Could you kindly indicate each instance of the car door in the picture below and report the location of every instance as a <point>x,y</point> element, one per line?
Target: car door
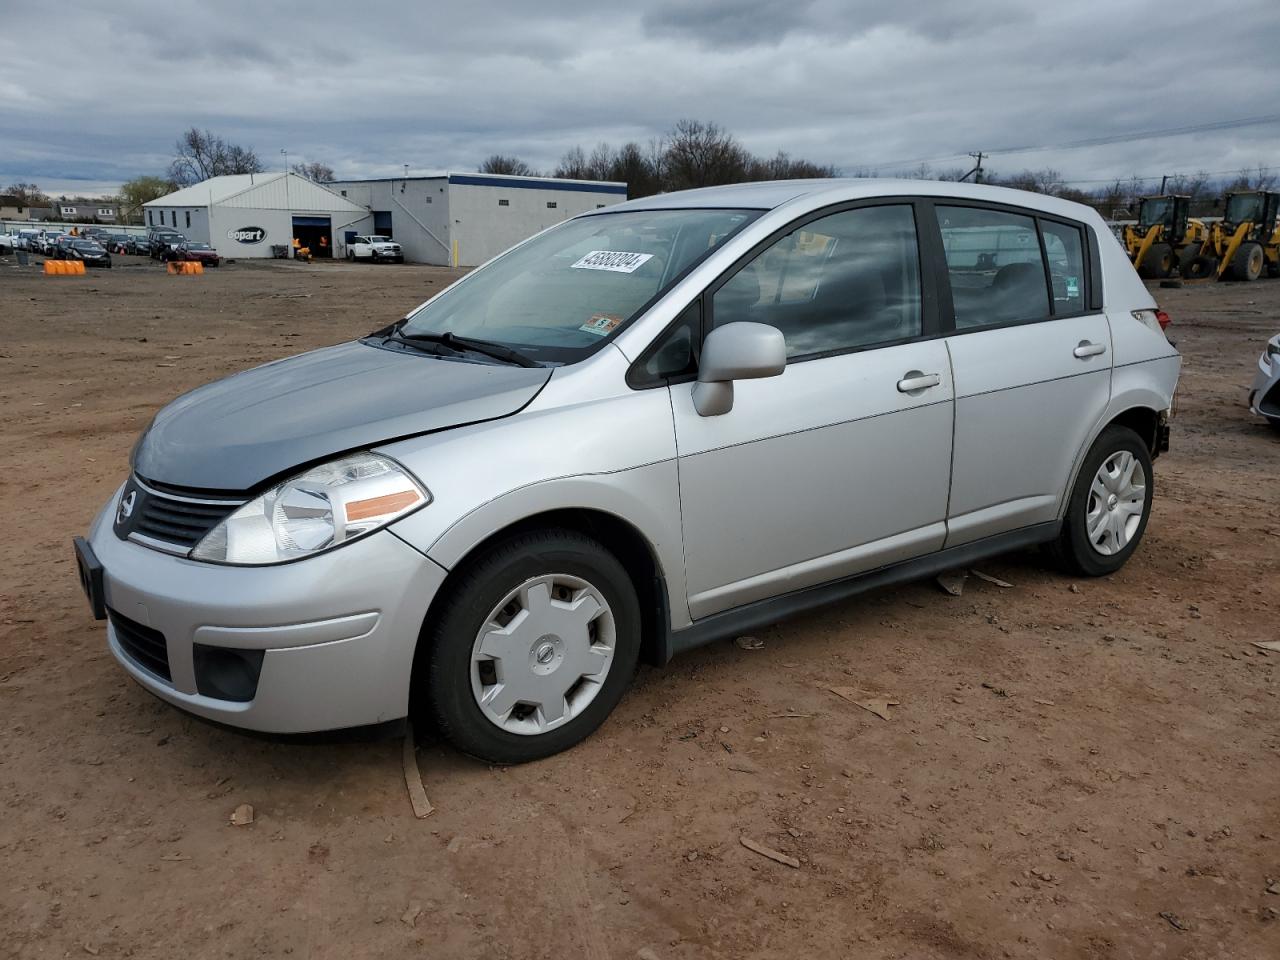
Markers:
<point>1031,361</point>
<point>841,464</point>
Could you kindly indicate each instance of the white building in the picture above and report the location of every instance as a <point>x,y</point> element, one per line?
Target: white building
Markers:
<point>245,215</point>
<point>464,219</point>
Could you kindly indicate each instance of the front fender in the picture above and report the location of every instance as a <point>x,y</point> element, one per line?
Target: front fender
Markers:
<point>645,498</point>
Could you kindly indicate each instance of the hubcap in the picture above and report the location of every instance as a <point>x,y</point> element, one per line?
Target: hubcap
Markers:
<point>1117,501</point>
<point>542,654</point>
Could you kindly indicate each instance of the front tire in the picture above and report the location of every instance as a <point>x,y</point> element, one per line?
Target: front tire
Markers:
<point>1109,506</point>
<point>1247,264</point>
<point>1159,261</point>
<point>536,643</point>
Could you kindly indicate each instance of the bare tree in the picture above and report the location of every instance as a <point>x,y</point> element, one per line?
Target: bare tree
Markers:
<point>315,171</point>
<point>703,154</point>
<point>501,163</point>
<point>573,165</point>
<point>1247,181</point>
<point>781,166</point>
<point>199,155</point>
<point>26,194</point>
<point>693,154</point>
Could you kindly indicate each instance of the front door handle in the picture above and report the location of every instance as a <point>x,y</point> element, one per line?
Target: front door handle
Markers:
<point>913,381</point>
<point>1084,350</point>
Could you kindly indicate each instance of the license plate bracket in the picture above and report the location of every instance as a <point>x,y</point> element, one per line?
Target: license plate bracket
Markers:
<point>90,571</point>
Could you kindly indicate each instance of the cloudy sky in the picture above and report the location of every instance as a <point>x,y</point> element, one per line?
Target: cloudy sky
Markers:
<point>99,95</point>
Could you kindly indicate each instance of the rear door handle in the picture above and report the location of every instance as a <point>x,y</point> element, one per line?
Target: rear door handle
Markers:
<point>1084,350</point>
<point>913,381</point>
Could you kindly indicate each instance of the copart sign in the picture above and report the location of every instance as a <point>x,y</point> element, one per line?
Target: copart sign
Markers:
<point>247,234</point>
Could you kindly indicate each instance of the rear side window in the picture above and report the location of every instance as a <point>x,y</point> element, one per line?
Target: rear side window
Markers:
<point>847,281</point>
<point>1064,247</point>
<point>995,266</point>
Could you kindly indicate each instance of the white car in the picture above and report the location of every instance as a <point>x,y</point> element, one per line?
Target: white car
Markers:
<point>375,248</point>
<point>26,239</point>
<point>7,243</point>
<point>1264,395</point>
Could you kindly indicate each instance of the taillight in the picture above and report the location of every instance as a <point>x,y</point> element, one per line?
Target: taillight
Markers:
<point>1156,319</point>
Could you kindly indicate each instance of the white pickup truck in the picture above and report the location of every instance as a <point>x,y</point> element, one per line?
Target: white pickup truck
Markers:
<point>375,248</point>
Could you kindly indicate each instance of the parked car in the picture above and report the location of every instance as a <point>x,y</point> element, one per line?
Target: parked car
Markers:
<point>1264,395</point>
<point>198,252</point>
<point>116,242</point>
<point>654,425</point>
<point>377,249</point>
<point>161,243</point>
<point>26,239</point>
<point>92,253</point>
<point>48,242</point>
<point>8,244</point>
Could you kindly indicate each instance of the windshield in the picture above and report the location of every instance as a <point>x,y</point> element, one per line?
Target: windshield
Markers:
<point>1155,211</point>
<point>197,246</point>
<point>562,294</point>
<point>87,245</point>
<point>379,239</point>
<point>1242,207</point>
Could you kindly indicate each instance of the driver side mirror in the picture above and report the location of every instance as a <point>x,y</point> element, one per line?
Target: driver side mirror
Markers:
<point>736,351</point>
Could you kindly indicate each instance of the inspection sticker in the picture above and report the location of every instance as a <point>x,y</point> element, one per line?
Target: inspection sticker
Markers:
<point>616,261</point>
<point>601,324</point>
<point>1073,287</point>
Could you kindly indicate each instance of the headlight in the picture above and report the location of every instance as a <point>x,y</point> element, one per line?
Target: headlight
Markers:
<point>322,508</point>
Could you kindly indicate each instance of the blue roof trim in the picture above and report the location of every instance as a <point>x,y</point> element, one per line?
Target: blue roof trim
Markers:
<point>518,184</point>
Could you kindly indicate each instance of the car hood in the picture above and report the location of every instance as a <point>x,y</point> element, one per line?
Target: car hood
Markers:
<point>235,433</point>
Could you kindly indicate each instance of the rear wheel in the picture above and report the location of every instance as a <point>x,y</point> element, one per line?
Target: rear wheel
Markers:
<point>537,642</point>
<point>1200,268</point>
<point>1247,263</point>
<point>1109,505</point>
<point>1159,261</point>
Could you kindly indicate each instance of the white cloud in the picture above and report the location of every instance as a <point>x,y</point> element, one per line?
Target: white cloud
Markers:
<point>856,84</point>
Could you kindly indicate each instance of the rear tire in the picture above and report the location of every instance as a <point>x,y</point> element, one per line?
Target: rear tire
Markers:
<point>1115,481</point>
<point>1247,264</point>
<point>485,602</point>
<point>1200,268</point>
<point>1159,261</point>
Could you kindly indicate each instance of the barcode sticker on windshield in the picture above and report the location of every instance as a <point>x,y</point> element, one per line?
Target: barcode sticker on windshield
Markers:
<point>616,261</point>
<point>601,324</point>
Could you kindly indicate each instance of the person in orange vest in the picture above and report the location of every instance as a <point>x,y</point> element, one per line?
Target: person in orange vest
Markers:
<point>324,245</point>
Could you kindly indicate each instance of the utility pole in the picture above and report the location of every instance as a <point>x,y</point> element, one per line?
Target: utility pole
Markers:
<point>1163,181</point>
<point>976,172</point>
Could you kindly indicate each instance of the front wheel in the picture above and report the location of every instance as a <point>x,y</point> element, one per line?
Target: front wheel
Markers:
<point>1247,264</point>
<point>536,644</point>
<point>1159,261</point>
<point>1109,505</point>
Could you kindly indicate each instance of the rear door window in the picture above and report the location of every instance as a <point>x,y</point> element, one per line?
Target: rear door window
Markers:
<point>1064,247</point>
<point>995,266</point>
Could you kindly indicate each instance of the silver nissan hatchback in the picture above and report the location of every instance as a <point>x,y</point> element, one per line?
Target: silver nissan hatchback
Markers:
<point>655,425</point>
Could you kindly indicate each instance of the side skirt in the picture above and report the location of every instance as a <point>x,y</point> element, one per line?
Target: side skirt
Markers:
<point>731,623</point>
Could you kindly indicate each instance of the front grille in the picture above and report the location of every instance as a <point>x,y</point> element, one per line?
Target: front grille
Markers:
<point>142,645</point>
<point>180,519</point>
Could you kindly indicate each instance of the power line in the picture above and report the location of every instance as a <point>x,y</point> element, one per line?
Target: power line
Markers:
<point>1093,141</point>
<point>1157,176</point>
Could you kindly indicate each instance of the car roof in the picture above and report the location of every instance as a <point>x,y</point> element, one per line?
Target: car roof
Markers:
<point>771,194</point>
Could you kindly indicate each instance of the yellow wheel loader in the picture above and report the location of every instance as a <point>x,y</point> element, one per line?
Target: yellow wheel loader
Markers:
<point>1244,244</point>
<point>1165,230</point>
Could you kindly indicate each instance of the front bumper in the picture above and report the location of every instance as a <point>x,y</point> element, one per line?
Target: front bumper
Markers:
<point>338,629</point>
<point>1264,394</point>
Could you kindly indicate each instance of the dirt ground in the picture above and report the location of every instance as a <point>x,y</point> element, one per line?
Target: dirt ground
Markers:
<point>1074,769</point>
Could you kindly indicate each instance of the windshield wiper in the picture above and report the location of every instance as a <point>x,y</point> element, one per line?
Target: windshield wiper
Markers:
<point>487,347</point>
